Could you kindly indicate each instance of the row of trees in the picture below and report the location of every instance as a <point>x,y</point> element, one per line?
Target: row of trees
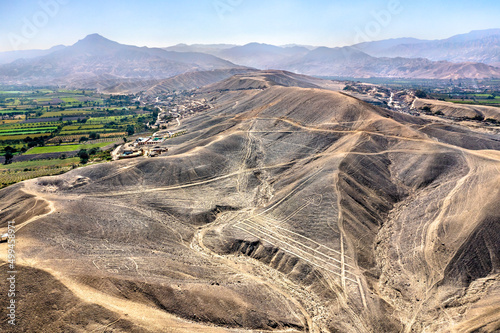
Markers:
<point>9,154</point>
<point>85,154</point>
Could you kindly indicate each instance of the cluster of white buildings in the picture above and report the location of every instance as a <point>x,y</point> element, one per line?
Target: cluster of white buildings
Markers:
<point>148,141</point>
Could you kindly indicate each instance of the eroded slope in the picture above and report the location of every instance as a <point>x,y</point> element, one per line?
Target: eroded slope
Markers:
<point>283,208</point>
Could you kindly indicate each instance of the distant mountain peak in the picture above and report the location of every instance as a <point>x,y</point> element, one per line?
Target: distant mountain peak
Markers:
<point>474,35</point>
<point>95,36</point>
<point>486,31</point>
<point>94,39</point>
<point>96,44</point>
<point>260,45</point>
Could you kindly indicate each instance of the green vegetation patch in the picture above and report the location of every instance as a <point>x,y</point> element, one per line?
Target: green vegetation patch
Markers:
<point>81,127</point>
<point>12,111</point>
<point>30,125</point>
<point>8,178</point>
<point>104,130</point>
<point>103,120</point>
<point>24,133</point>
<point>27,129</point>
<point>39,163</point>
<point>491,102</point>
<point>20,137</point>
<point>69,100</point>
<point>64,148</point>
<point>65,113</point>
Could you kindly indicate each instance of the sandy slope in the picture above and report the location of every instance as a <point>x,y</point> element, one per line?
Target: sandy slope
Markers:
<point>282,209</point>
<point>459,110</point>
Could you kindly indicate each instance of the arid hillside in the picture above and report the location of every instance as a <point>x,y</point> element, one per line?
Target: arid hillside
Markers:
<point>459,110</point>
<point>285,208</point>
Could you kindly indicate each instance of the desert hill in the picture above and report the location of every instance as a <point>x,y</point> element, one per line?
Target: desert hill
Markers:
<point>269,78</point>
<point>459,110</point>
<point>283,208</point>
<point>186,81</point>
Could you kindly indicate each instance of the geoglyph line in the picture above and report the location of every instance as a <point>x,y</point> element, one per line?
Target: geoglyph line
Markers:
<point>302,236</point>
<point>299,243</point>
<point>293,253</point>
<point>305,251</point>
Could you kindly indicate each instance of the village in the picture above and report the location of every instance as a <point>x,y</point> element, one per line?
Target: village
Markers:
<point>147,147</point>
<point>172,109</point>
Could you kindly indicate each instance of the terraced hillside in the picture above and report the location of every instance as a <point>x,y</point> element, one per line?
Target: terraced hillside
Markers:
<point>282,209</point>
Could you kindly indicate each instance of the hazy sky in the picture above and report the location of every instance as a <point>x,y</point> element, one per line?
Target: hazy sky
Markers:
<point>30,24</point>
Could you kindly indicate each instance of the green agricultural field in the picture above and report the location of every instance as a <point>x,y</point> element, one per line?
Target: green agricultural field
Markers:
<point>484,96</point>
<point>490,102</point>
<point>19,171</point>
<point>12,111</point>
<point>69,99</point>
<point>104,136</point>
<point>64,148</point>
<point>20,137</point>
<point>39,163</point>
<point>104,130</point>
<point>6,129</point>
<point>81,127</point>
<point>103,120</point>
<point>65,113</point>
<point>33,125</point>
<point>8,177</point>
<point>10,121</point>
<point>17,146</point>
<point>24,133</point>
<point>15,102</point>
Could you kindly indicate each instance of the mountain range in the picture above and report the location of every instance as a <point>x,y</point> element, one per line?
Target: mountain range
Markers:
<point>8,57</point>
<point>97,62</point>
<point>477,46</point>
<point>96,58</point>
